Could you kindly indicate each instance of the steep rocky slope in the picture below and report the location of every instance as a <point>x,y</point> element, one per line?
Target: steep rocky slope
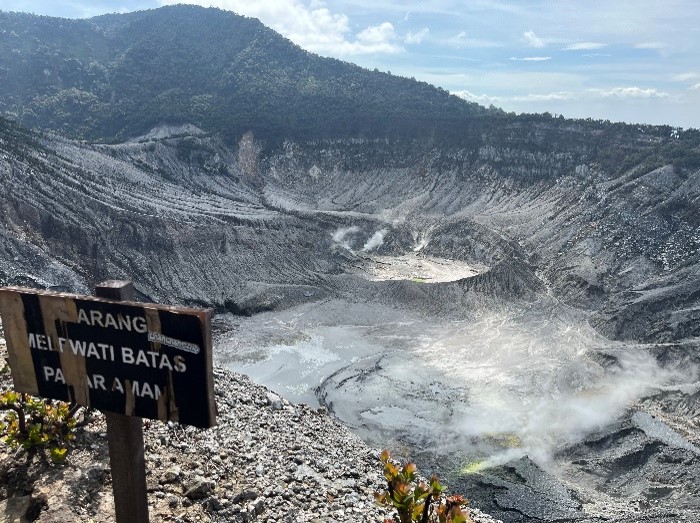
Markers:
<point>193,220</point>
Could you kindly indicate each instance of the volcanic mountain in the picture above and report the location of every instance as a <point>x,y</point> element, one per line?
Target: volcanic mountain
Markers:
<point>212,162</point>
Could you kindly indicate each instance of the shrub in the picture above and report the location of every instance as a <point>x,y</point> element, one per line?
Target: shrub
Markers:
<point>417,501</point>
<point>32,423</point>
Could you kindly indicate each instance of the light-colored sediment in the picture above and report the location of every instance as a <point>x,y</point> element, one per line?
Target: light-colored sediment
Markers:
<point>417,267</point>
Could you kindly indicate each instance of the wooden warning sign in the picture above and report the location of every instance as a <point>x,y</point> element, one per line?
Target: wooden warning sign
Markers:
<point>136,359</point>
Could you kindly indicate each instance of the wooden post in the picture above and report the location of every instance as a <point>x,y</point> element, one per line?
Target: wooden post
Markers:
<point>125,440</point>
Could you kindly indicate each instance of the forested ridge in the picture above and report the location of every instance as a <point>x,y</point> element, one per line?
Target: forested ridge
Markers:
<point>116,76</point>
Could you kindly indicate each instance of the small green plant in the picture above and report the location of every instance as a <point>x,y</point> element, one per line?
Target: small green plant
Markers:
<point>32,423</point>
<point>417,501</point>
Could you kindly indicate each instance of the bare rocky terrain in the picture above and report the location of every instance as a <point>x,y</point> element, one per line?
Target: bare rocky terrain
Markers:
<point>576,286</point>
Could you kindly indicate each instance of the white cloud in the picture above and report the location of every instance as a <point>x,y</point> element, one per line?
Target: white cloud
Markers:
<point>377,34</point>
<point>505,81</point>
<point>628,92</point>
<point>377,39</point>
<point>478,98</point>
<point>533,40</point>
<point>584,46</point>
<point>695,87</point>
<point>416,38</point>
<point>564,96</point>
<point>560,96</point>
<point>310,25</point>
<point>652,45</point>
<point>684,77</point>
<point>532,58</point>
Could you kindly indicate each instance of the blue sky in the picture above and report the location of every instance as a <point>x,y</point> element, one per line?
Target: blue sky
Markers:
<point>631,60</point>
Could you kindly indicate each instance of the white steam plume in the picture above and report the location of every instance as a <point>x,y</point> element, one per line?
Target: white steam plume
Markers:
<point>375,241</point>
<point>535,386</point>
<point>562,414</point>
<point>341,236</point>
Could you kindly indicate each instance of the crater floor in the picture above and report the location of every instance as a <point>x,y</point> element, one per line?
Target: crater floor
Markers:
<point>416,267</point>
<point>507,405</point>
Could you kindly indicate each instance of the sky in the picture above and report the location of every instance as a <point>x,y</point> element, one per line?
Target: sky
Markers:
<point>636,61</point>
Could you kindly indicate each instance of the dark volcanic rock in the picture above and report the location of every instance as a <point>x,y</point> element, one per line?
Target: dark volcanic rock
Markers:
<point>523,491</point>
<point>555,216</point>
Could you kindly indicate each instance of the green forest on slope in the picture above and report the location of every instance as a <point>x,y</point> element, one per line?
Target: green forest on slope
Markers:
<point>117,76</point>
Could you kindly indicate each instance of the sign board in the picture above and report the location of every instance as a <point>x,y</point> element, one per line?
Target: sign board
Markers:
<point>136,359</point>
